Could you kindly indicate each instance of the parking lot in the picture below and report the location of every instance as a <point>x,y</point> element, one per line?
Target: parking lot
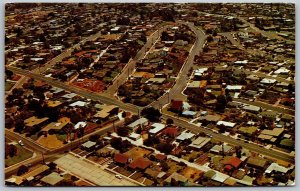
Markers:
<point>90,172</point>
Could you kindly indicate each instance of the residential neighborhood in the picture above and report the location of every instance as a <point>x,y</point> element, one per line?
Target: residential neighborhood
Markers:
<point>150,94</point>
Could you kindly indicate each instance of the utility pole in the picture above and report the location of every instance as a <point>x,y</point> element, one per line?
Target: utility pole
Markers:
<point>43,157</point>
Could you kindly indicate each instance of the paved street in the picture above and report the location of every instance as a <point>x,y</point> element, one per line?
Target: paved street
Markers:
<point>129,68</point>
<point>129,107</point>
<point>90,172</point>
<point>266,106</point>
<point>230,140</point>
<point>182,78</point>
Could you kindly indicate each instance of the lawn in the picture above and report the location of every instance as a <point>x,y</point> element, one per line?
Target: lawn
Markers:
<point>22,154</point>
<point>61,137</point>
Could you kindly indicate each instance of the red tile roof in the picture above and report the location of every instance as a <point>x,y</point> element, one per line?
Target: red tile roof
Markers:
<point>160,157</point>
<point>170,131</point>
<point>141,163</point>
<point>234,162</point>
<point>176,104</point>
<point>121,158</point>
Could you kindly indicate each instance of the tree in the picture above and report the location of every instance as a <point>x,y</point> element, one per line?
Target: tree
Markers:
<point>164,36</point>
<point>94,138</point>
<point>164,166</point>
<point>10,150</point>
<point>116,143</point>
<point>122,131</point>
<point>165,147</point>
<point>169,121</point>
<point>221,103</point>
<point>151,114</point>
<point>52,165</point>
<point>22,170</point>
<point>19,125</point>
<point>9,74</point>
<point>210,38</point>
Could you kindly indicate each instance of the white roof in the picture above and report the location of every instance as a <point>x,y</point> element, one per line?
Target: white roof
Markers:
<point>234,87</point>
<point>218,148</point>
<point>227,124</point>
<point>70,95</point>
<point>157,128</point>
<point>78,103</point>
<point>138,122</point>
<point>134,135</point>
<point>89,144</point>
<point>282,70</point>
<point>200,71</point>
<point>267,81</point>
<point>276,167</point>
<point>200,142</point>
<point>80,124</point>
<point>241,62</point>
<point>251,108</point>
<point>220,177</point>
<point>184,135</point>
<point>56,90</point>
<point>115,29</point>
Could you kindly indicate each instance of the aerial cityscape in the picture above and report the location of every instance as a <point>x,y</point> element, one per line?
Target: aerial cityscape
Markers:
<point>150,94</point>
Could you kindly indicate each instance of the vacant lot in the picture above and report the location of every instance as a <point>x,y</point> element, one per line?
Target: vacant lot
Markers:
<point>51,142</point>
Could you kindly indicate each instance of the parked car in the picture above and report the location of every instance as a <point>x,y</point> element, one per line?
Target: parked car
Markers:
<point>21,143</point>
<point>118,176</point>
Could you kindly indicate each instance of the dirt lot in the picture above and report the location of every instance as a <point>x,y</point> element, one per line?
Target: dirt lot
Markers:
<point>50,142</point>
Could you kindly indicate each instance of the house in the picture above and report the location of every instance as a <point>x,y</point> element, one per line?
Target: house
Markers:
<point>267,81</point>
<point>185,135</point>
<point>219,149</point>
<point>80,124</point>
<point>200,142</point>
<point>215,87</point>
<point>234,88</point>
<point>197,84</point>
<point>226,124</point>
<point>248,130</point>
<point>18,180</point>
<point>160,157</point>
<point>231,163</point>
<point>156,128</point>
<point>89,145</point>
<point>34,122</point>
<point>180,179</point>
<point>155,81</point>
<point>78,103</point>
<point>54,104</point>
<point>252,108</point>
<point>277,168</point>
<point>287,143</point>
<point>138,123</point>
<point>170,131</point>
<point>257,162</point>
<point>189,114</point>
<point>121,158</point>
<point>107,111</point>
<point>55,126</point>
<point>134,136</point>
<point>176,105</point>
<point>269,114</point>
<point>140,164</point>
